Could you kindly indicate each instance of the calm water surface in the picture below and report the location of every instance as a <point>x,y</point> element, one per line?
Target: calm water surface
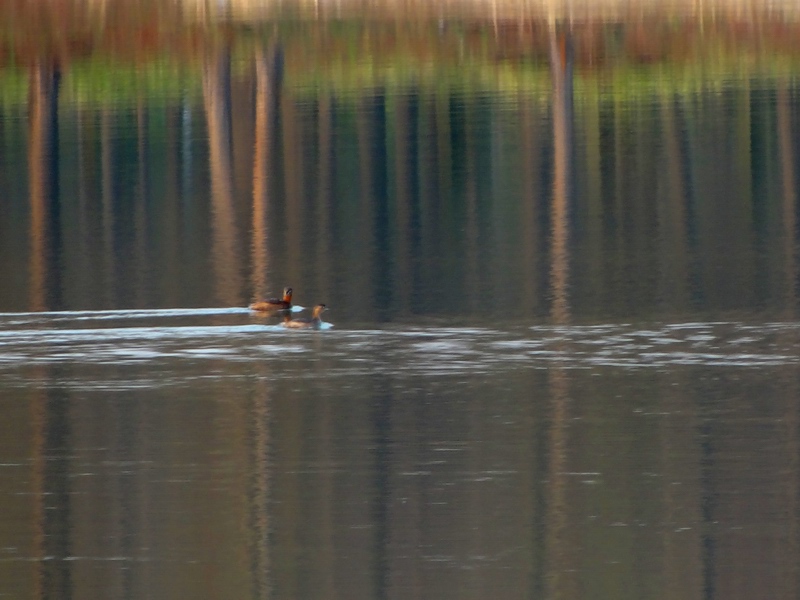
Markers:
<point>562,274</point>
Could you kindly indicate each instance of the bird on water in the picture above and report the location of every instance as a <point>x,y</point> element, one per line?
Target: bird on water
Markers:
<point>315,322</point>
<point>274,304</point>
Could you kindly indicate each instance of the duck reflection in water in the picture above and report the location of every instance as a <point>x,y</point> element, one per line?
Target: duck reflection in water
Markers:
<point>315,322</point>
<point>271,305</point>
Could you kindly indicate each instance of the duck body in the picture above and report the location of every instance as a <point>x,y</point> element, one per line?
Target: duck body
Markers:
<point>274,304</point>
<point>315,322</point>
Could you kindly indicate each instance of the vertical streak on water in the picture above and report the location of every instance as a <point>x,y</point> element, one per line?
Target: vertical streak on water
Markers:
<point>743,205</point>
<point>557,585</point>
<point>561,70</point>
<point>406,177</point>
<point>373,218</point>
<point>216,92</point>
<point>428,201</point>
<point>672,213</point>
<point>186,205</point>
<point>167,214</point>
<point>493,204</point>
<point>45,226</point>
<point>366,124</point>
<point>108,193</point>
<point>616,172</point>
<point>140,233</point>
<point>325,196</point>
<point>789,208</point>
<point>563,117</point>
<point>682,572</point>
<point>260,490</point>
<point>51,492</point>
<point>85,231</point>
<point>327,495</point>
<point>127,491</point>
<point>382,423</point>
<point>472,269</point>
<point>791,429</point>
<point>294,166</point>
<point>708,509</point>
<point>148,506</point>
<point>38,406</point>
<point>268,80</point>
<point>406,576</point>
<point>791,417</point>
<point>186,149</point>
<point>444,181</point>
<point>531,201</point>
<point>591,190</point>
<point>261,156</point>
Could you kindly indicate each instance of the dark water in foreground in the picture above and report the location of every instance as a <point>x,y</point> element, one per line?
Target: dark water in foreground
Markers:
<point>564,295</point>
<point>202,454</point>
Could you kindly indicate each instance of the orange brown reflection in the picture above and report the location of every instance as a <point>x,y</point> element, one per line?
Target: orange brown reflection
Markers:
<point>269,66</point>
<point>563,171</point>
<point>258,504</point>
<point>559,560</point>
<point>226,263</point>
<point>43,163</point>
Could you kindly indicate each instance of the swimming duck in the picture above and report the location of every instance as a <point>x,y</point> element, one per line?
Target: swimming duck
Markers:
<point>315,322</point>
<point>274,304</point>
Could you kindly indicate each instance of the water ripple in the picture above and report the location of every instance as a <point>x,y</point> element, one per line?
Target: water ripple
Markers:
<point>64,338</point>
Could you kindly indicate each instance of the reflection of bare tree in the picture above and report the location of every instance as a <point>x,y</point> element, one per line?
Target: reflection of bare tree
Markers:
<point>43,183</point>
<point>169,215</point>
<point>444,154</point>
<point>472,235</point>
<point>50,487</point>
<point>563,115</point>
<point>382,430</point>
<point>216,93</point>
<point>260,488</point>
<point>325,195</point>
<point>743,225</point>
<point>787,161</point>
<point>682,564</point>
<point>428,184</point>
<point>406,116</point>
<point>109,194</point>
<point>791,416</point>
<point>563,118</point>
<point>294,171</point>
<point>592,192</point>
<point>373,219</point>
<point>84,129</point>
<point>406,513</point>
<point>143,198</point>
<point>673,214</point>
<point>268,88</point>
<point>38,420</point>
<point>681,462</point>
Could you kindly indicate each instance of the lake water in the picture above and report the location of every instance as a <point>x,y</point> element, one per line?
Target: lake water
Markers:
<point>561,265</point>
